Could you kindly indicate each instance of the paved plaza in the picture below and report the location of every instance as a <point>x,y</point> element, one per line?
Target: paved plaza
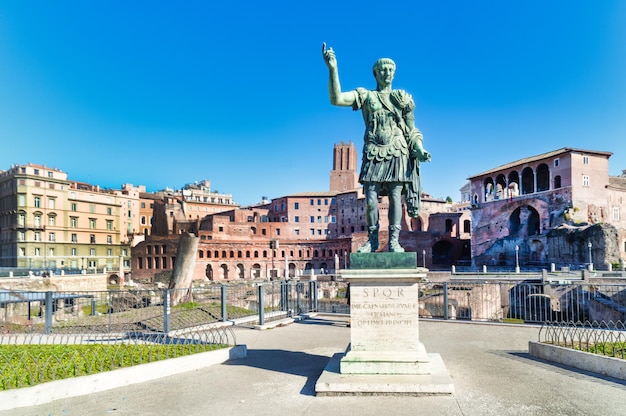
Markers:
<point>489,365</point>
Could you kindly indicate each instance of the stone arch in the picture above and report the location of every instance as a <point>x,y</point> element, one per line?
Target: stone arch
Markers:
<point>292,270</point>
<point>528,181</point>
<point>256,271</point>
<point>500,186</point>
<point>524,221</point>
<point>488,187</point>
<point>241,271</point>
<point>417,224</point>
<point>224,271</point>
<point>543,178</point>
<point>442,253</point>
<point>208,272</point>
<point>513,183</point>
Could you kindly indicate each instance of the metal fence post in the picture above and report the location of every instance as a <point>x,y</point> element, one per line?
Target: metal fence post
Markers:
<point>166,311</point>
<point>48,324</point>
<point>298,287</point>
<point>313,295</point>
<point>261,305</point>
<point>224,303</point>
<point>445,301</point>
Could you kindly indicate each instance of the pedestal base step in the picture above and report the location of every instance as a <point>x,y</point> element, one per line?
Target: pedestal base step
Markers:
<point>333,383</point>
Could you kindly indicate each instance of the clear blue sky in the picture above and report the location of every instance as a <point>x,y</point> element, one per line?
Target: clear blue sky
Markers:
<point>163,93</point>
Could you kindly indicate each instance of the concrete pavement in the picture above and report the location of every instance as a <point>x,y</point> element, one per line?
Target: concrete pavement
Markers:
<point>489,365</point>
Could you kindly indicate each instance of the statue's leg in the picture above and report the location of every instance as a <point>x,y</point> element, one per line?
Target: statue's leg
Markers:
<point>371,217</point>
<point>395,217</point>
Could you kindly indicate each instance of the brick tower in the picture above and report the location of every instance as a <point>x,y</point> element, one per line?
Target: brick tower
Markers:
<point>344,177</point>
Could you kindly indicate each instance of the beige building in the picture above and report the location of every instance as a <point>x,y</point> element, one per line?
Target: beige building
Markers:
<point>50,223</point>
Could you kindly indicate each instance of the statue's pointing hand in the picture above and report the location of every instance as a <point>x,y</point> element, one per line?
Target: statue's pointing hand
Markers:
<point>329,56</point>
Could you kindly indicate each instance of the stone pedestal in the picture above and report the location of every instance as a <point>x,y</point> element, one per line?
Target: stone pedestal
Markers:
<point>385,354</point>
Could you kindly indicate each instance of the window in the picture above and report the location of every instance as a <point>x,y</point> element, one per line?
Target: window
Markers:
<point>21,200</point>
<point>312,202</point>
<point>109,211</point>
<point>73,251</point>
<point>615,213</point>
<point>92,251</point>
<point>37,251</point>
<point>92,208</point>
<point>21,219</point>
<point>109,224</point>
<point>312,218</point>
<point>73,222</point>
<point>556,162</point>
<point>37,202</point>
<point>585,160</point>
<point>92,238</point>
<point>109,239</point>
<point>296,231</point>
<point>296,219</point>
<point>296,205</point>
<point>51,203</point>
<point>21,236</point>
<point>585,180</point>
<point>51,237</point>
<point>73,206</point>
<point>278,231</point>
<point>37,220</point>
<point>92,223</point>
<point>51,220</point>
<point>37,235</point>
<point>74,238</point>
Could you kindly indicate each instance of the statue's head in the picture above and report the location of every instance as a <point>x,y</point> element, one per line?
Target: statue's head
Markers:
<point>383,63</point>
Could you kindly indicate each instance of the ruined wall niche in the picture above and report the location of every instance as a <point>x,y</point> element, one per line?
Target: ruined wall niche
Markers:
<point>524,221</point>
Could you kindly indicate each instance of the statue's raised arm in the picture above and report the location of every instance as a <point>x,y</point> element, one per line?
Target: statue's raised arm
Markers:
<point>337,97</point>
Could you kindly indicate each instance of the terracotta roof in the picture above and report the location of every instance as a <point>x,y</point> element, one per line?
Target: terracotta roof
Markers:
<point>546,155</point>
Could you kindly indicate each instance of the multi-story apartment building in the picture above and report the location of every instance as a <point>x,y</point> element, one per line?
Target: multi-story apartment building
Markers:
<point>522,210</point>
<point>50,223</point>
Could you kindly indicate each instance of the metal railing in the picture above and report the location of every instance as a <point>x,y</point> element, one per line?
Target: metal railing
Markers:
<point>604,338</point>
<point>164,311</point>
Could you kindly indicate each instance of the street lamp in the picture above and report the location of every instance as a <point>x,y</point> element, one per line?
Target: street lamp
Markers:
<point>590,261</point>
<point>424,258</point>
<point>516,259</point>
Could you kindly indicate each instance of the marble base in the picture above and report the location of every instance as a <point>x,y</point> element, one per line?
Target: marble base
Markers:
<point>334,383</point>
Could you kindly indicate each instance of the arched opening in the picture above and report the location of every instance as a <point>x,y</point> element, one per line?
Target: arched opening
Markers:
<point>208,272</point>
<point>543,177</point>
<point>513,184</point>
<point>442,253</point>
<point>241,271</point>
<point>528,181</point>
<point>256,271</point>
<point>557,182</point>
<point>524,221</point>
<point>292,270</point>
<point>488,189</point>
<point>500,186</point>
<point>224,271</point>
<point>467,226</point>
<point>417,224</point>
